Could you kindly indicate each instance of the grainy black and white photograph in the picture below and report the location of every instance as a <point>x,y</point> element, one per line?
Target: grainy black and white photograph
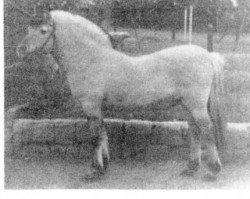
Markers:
<point>126,94</point>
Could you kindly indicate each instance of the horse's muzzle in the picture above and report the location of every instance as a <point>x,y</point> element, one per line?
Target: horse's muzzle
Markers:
<point>22,51</point>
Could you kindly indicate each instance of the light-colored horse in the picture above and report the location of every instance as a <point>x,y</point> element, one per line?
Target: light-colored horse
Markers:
<point>96,72</point>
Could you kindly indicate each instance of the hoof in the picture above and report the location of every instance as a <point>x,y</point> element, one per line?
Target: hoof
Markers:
<point>98,171</point>
<point>215,168</point>
<point>93,176</point>
<point>192,168</point>
<point>187,173</point>
<point>99,168</point>
<point>209,178</point>
<point>105,164</point>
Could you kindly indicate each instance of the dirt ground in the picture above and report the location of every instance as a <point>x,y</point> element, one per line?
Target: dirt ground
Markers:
<point>160,170</point>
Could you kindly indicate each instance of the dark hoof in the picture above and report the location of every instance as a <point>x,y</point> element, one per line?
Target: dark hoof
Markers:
<point>187,173</point>
<point>215,168</point>
<point>192,167</point>
<point>105,164</point>
<point>93,176</point>
<point>209,178</point>
<point>98,171</point>
<point>99,168</point>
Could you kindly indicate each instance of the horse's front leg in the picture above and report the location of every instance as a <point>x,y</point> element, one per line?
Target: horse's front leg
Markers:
<point>99,142</point>
<point>100,147</point>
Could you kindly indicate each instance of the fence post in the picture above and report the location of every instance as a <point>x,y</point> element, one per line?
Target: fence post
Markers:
<point>190,24</point>
<point>210,37</point>
<point>185,24</point>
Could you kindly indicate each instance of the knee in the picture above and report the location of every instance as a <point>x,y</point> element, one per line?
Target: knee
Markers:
<point>194,164</point>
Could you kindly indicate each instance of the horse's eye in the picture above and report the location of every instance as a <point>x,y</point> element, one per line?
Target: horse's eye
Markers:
<point>43,31</point>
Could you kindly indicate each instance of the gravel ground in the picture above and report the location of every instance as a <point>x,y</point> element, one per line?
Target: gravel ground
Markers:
<point>159,171</point>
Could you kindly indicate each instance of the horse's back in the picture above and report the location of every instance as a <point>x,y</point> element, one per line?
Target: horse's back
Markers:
<point>183,52</point>
<point>180,56</point>
<point>179,63</point>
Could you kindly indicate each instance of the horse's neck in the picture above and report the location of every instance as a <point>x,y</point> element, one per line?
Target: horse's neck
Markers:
<point>73,57</point>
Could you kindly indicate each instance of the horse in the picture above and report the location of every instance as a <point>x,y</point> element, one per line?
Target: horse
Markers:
<point>187,75</point>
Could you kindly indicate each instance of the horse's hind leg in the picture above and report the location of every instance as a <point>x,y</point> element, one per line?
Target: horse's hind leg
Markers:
<point>195,149</point>
<point>100,148</point>
<point>209,154</point>
<point>200,127</point>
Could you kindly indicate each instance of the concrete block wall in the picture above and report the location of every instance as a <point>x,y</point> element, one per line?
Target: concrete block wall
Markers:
<point>70,137</point>
<point>127,138</point>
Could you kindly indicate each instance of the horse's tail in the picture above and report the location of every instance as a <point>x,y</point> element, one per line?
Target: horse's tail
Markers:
<point>216,103</point>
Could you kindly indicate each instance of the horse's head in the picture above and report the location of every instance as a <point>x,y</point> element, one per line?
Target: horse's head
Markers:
<point>40,37</point>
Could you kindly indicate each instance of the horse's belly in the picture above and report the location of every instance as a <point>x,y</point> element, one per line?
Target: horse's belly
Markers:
<point>145,103</point>
<point>142,95</point>
<point>144,98</point>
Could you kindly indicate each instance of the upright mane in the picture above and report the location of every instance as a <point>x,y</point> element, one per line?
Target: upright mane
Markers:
<point>79,27</point>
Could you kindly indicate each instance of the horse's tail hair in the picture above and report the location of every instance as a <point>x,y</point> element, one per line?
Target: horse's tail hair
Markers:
<point>216,103</point>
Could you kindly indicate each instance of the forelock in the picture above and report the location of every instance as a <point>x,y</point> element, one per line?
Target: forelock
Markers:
<point>37,20</point>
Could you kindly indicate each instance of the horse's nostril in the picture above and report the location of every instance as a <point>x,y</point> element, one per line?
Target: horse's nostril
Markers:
<point>21,50</point>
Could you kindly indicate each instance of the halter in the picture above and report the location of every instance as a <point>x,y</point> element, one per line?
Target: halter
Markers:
<point>52,34</point>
